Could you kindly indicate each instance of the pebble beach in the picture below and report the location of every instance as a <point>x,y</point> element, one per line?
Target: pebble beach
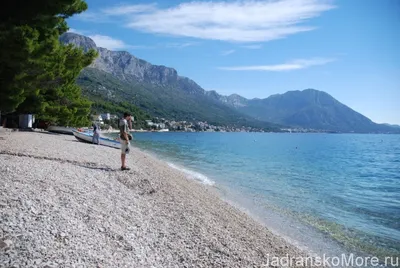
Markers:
<point>65,203</point>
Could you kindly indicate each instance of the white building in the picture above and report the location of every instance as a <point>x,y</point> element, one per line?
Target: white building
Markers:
<point>98,119</point>
<point>106,116</point>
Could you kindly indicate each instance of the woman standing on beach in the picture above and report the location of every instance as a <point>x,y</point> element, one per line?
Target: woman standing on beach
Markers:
<point>96,134</point>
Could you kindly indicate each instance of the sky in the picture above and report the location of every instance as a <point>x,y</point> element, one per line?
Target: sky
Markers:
<point>347,48</point>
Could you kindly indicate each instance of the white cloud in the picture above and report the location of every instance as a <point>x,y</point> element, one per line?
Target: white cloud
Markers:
<point>288,66</point>
<point>227,52</point>
<point>72,30</point>
<point>128,9</point>
<point>239,21</point>
<point>108,42</point>
<point>114,44</point>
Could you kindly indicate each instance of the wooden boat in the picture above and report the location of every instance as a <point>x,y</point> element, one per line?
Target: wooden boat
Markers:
<point>61,130</point>
<point>88,137</point>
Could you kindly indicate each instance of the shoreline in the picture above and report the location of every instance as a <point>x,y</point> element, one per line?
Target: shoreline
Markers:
<point>66,203</point>
<point>283,225</point>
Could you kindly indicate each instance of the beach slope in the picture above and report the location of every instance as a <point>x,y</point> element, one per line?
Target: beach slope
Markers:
<point>64,203</point>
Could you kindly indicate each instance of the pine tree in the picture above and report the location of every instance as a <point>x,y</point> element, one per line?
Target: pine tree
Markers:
<point>59,99</point>
<point>37,72</point>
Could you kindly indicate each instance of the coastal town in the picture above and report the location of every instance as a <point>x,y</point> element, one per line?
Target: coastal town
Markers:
<point>157,124</point>
<point>164,125</point>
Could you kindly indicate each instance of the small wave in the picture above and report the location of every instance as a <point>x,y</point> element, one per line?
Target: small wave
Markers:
<point>193,175</point>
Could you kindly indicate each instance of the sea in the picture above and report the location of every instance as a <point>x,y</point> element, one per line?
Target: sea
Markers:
<point>325,193</point>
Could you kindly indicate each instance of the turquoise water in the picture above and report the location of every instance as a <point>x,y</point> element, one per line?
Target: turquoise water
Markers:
<point>345,187</point>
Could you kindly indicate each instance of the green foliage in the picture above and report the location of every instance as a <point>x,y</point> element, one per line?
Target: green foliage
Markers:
<point>59,99</point>
<point>95,86</point>
<point>16,45</point>
<point>170,102</point>
<point>38,73</point>
<point>118,108</point>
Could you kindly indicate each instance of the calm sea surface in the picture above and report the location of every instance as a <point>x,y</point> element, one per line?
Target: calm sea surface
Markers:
<point>341,189</point>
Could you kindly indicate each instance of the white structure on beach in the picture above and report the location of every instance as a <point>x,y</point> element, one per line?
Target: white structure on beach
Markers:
<point>26,120</point>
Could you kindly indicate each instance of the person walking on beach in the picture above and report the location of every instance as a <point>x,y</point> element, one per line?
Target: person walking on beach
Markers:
<point>96,134</point>
<point>125,136</point>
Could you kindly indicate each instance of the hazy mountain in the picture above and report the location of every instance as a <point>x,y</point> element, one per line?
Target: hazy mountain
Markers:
<point>309,109</point>
<point>118,76</point>
<point>391,125</point>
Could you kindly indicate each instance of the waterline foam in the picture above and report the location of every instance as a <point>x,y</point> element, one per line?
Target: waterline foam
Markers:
<point>193,175</point>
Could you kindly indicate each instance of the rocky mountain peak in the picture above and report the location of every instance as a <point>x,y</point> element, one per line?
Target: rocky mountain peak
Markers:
<point>237,100</point>
<point>78,40</point>
<point>122,64</point>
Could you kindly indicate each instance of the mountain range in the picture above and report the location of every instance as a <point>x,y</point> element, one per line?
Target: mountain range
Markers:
<point>118,76</point>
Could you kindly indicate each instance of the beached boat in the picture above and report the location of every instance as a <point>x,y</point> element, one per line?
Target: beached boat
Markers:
<point>61,130</point>
<point>88,136</point>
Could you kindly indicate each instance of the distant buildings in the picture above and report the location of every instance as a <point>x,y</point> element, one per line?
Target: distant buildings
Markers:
<point>305,130</point>
<point>98,119</point>
<point>151,124</point>
<point>162,124</point>
<point>103,117</point>
<point>108,116</point>
<point>199,126</point>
